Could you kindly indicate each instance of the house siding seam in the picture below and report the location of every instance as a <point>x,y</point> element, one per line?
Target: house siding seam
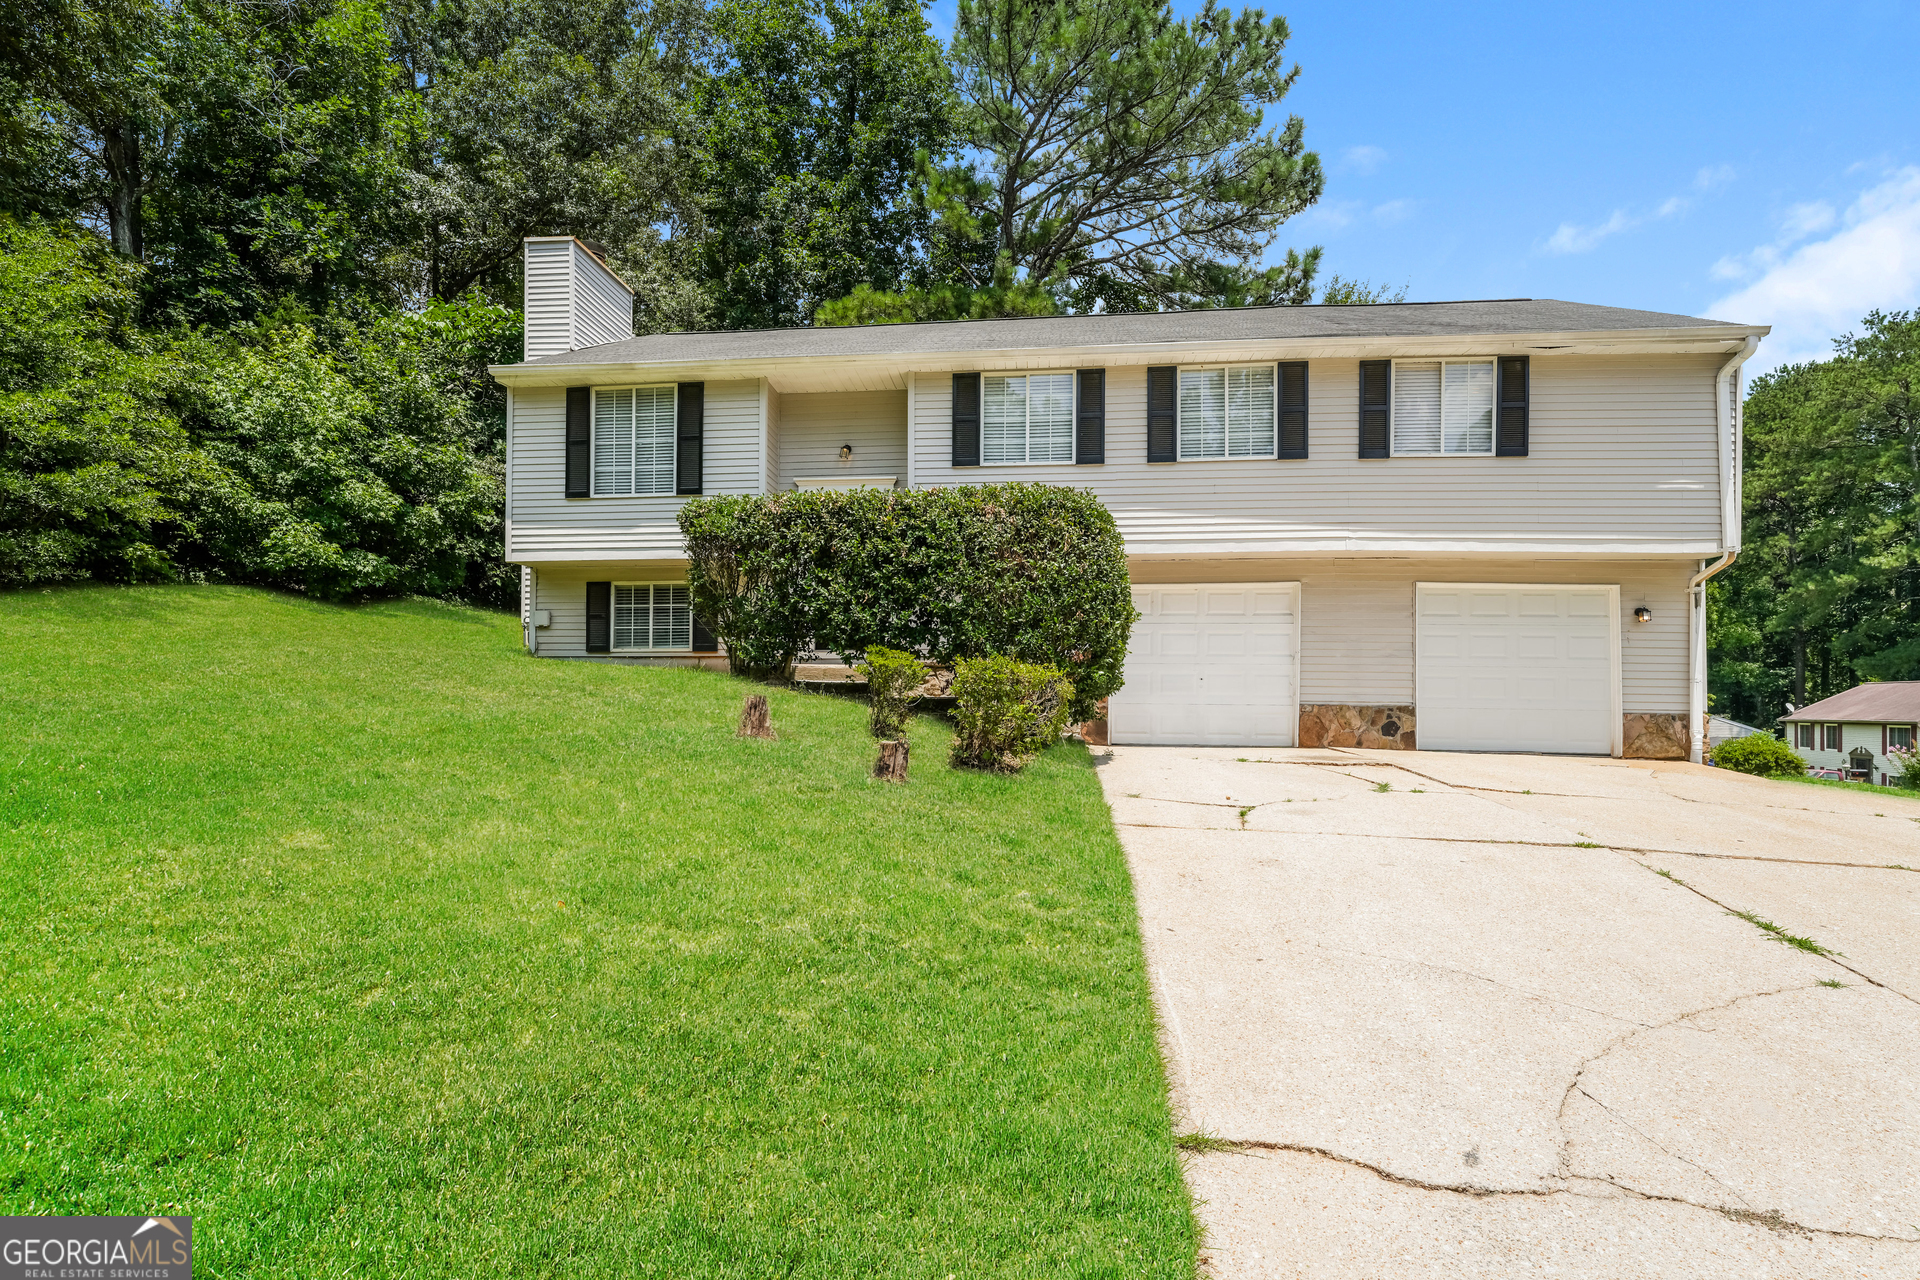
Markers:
<point>1623,453</point>
<point>549,526</point>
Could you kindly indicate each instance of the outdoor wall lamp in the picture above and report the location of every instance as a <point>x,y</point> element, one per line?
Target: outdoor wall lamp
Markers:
<point>846,453</point>
<point>1643,614</point>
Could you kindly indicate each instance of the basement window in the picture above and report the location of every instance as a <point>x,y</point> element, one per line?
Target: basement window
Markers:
<point>652,615</point>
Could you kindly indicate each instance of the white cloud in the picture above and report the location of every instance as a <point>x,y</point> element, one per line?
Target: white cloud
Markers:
<point>1393,211</point>
<point>1577,239</point>
<point>1821,289</point>
<point>1363,159</point>
<point>1713,177</point>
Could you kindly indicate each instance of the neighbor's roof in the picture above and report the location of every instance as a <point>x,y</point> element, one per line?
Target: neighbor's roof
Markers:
<point>1224,325</point>
<point>1890,702</point>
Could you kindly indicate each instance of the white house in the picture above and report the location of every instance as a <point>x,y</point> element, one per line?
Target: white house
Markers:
<point>1853,730</point>
<point>1466,525</point>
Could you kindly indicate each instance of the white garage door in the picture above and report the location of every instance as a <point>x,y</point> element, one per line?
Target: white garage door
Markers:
<point>1214,664</point>
<point>1516,668</point>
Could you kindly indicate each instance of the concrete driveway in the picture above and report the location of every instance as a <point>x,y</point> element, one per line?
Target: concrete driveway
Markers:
<point>1491,1016</point>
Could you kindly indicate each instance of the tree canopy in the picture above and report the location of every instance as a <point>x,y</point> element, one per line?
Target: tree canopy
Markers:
<point>1826,592</point>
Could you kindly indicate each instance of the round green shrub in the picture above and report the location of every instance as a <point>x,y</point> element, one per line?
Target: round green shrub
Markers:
<point>1761,754</point>
<point>1031,571</point>
<point>1007,712</point>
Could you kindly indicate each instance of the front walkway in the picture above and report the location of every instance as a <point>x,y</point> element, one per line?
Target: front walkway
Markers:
<point>1490,1016</point>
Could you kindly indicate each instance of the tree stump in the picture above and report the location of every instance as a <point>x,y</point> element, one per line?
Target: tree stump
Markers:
<point>892,764</point>
<point>755,720</point>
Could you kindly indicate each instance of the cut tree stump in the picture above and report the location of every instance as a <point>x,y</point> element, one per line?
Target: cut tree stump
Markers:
<point>755,720</point>
<point>892,764</point>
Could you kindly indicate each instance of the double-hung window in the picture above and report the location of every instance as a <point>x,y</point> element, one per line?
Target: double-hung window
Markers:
<point>1227,412</point>
<point>656,615</point>
<point>1900,735</point>
<point>1442,407</point>
<point>1803,736</point>
<point>1026,418</point>
<point>1830,734</point>
<point>633,435</point>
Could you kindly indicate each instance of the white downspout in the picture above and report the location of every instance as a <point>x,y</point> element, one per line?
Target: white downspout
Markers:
<point>1726,413</point>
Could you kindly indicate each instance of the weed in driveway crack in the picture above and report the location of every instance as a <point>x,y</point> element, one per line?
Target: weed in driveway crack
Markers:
<point>1781,935</point>
<point>1243,814</point>
<point>1835,983</point>
<point>1201,1140</point>
<point>1383,786</point>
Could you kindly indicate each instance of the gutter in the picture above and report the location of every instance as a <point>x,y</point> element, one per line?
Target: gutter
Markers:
<point>1727,417</point>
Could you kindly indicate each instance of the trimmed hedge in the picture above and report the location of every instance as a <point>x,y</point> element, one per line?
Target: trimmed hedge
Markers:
<point>893,686</point>
<point>1035,572</point>
<point>1761,754</point>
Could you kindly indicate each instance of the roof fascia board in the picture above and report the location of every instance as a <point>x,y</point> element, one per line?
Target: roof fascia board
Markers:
<point>1692,341</point>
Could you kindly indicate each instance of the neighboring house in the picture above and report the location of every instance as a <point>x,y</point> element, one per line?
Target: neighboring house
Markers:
<point>1851,731</point>
<point>1466,525</point>
<point>1720,729</point>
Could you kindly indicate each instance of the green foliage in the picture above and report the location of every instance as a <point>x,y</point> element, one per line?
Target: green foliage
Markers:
<point>814,123</point>
<point>1761,754</point>
<point>893,686</point>
<point>1342,292</point>
<point>1126,165</point>
<point>1826,592</point>
<point>1008,711</point>
<point>1037,572</point>
<point>347,468</point>
<point>93,462</point>
<point>1003,297</point>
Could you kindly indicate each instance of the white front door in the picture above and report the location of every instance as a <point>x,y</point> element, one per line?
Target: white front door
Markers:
<point>1517,668</point>
<point>1211,664</point>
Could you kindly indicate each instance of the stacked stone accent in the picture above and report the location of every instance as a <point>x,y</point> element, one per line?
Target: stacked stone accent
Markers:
<point>1339,724</point>
<point>1656,735</point>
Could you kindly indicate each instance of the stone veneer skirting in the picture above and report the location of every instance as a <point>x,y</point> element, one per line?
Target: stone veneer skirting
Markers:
<point>1656,735</point>
<point>1340,724</point>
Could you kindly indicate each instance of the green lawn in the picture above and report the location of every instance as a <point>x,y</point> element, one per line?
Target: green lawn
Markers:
<point>1905,793</point>
<point>387,950</point>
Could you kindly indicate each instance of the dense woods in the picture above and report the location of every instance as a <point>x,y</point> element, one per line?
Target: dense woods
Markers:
<point>1826,592</point>
<point>257,256</point>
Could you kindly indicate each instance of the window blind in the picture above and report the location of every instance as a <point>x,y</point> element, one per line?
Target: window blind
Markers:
<point>652,616</point>
<point>1443,406</point>
<point>1027,418</point>
<point>633,441</point>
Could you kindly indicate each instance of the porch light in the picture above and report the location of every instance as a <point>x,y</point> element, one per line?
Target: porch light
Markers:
<point>1643,614</point>
<point>846,453</point>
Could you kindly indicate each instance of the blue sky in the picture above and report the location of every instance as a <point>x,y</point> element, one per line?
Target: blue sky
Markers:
<point>1754,162</point>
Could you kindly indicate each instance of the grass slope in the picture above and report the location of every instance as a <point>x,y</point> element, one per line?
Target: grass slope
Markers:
<point>386,950</point>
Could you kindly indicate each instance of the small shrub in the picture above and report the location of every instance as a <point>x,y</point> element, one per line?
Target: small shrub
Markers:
<point>1908,761</point>
<point>1760,754</point>
<point>893,682</point>
<point>1009,711</point>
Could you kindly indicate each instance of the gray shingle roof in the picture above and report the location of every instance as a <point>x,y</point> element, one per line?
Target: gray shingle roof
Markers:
<point>1888,702</point>
<point>1386,320</point>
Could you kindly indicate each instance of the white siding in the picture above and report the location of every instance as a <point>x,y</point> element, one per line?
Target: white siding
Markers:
<point>1851,736</point>
<point>563,591</point>
<point>1622,456</point>
<point>1356,617</point>
<point>813,427</point>
<point>548,297</point>
<point>770,470</point>
<point>570,300</point>
<point>603,307</point>
<point>546,525</point>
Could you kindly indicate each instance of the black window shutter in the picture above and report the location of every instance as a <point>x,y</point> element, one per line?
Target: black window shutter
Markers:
<point>1293,409</point>
<point>1376,408</point>
<point>599,617</point>
<point>1090,418</point>
<point>1510,438</point>
<point>704,641</point>
<point>966,419</point>
<point>579,442</point>
<point>1163,413</point>
<point>690,446</point>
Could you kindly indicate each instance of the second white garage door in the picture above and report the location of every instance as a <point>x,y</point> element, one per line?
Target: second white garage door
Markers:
<point>1212,664</point>
<point>1517,668</point>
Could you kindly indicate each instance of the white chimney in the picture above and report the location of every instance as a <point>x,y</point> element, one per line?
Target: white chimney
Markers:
<point>572,300</point>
